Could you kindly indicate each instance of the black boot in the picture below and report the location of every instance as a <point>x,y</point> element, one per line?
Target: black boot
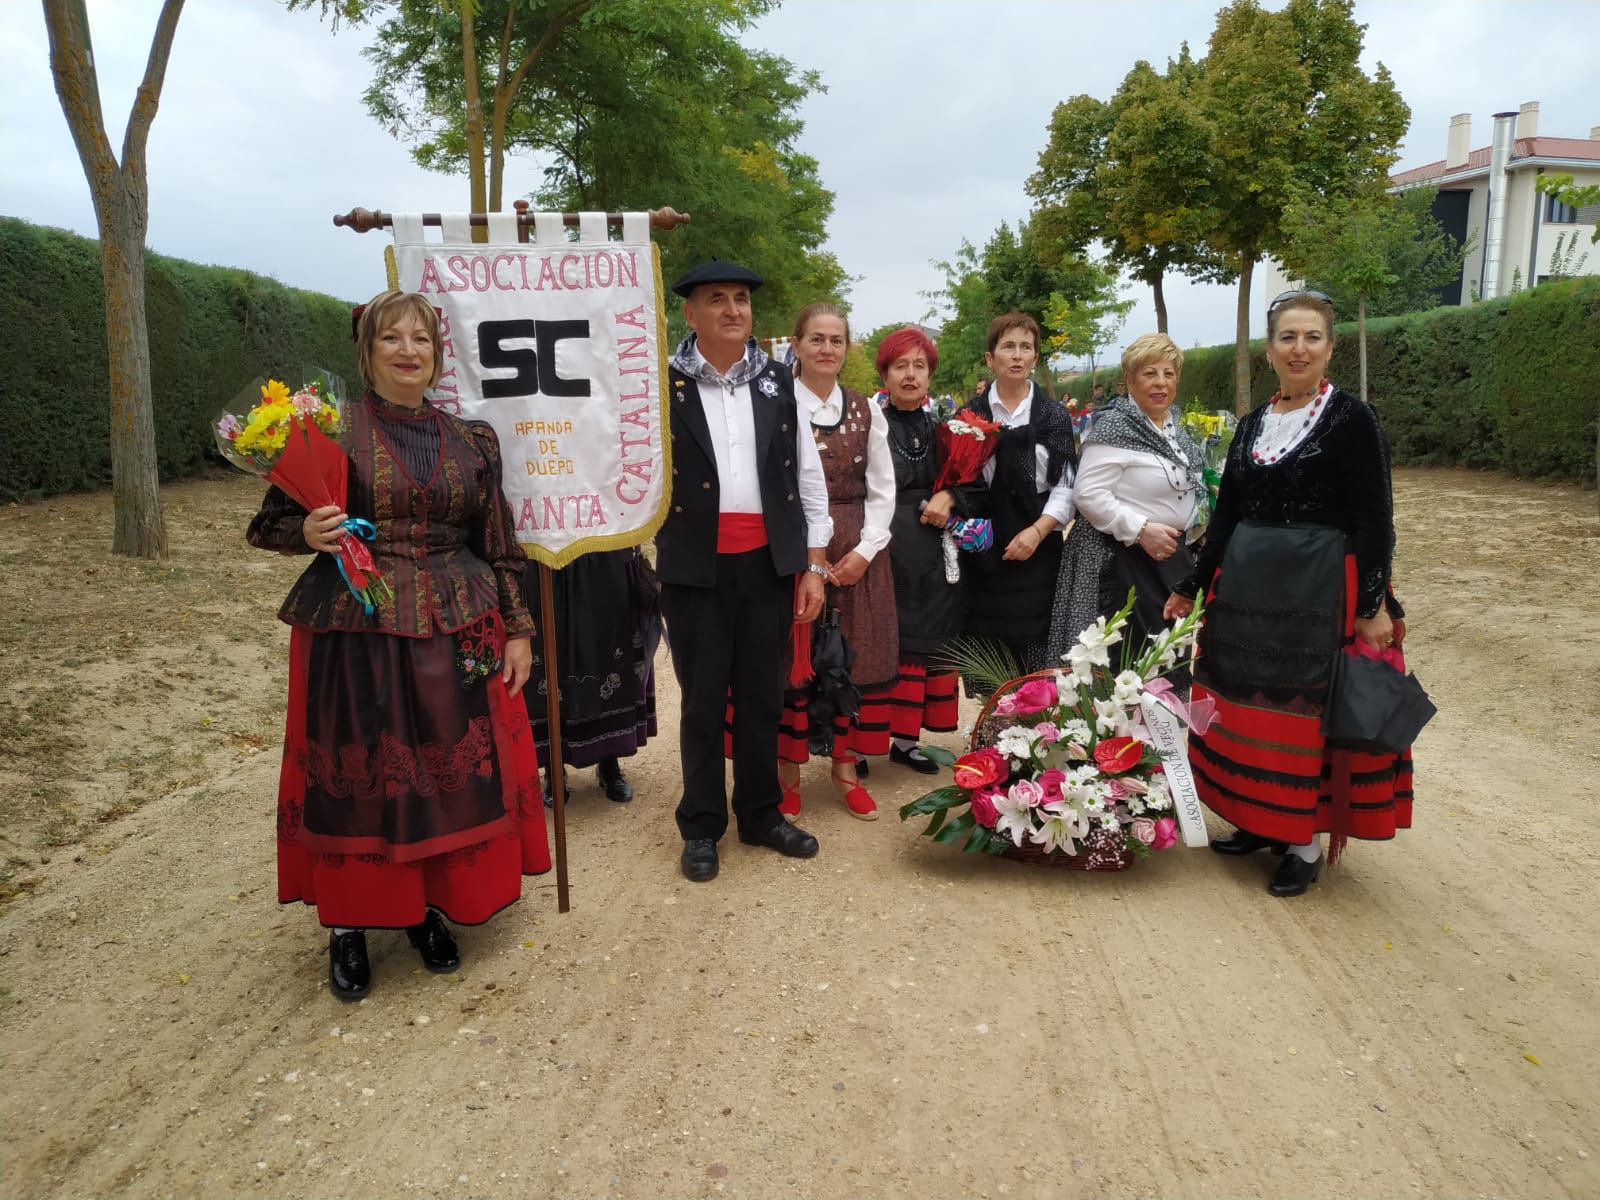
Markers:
<point>617,788</point>
<point>349,972</point>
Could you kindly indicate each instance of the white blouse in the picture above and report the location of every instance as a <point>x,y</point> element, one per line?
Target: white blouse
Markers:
<point>1280,433</point>
<point>879,507</point>
<point>1119,490</point>
<point>1059,503</point>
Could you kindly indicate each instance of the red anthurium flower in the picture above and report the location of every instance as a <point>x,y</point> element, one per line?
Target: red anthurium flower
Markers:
<point>980,769</point>
<point>1118,754</point>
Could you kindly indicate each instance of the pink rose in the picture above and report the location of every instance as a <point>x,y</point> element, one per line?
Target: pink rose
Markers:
<point>1026,791</point>
<point>1034,696</point>
<point>1076,750</point>
<point>1047,730</point>
<point>1118,792</point>
<point>1166,834</point>
<point>1145,830</point>
<point>1006,706</point>
<point>983,810</point>
<point>1050,783</point>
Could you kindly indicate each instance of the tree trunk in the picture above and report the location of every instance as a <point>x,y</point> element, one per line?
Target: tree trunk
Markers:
<point>1241,339</point>
<point>121,206</point>
<point>473,121</point>
<point>1361,338</point>
<point>1160,295</point>
<point>139,528</point>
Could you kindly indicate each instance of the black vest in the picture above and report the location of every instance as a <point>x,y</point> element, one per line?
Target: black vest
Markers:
<point>686,546</point>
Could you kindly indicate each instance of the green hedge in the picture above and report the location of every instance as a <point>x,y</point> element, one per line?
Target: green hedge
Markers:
<point>1512,383</point>
<point>212,330</point>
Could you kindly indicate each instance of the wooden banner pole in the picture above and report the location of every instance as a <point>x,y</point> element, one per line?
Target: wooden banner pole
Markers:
<point>363,220</point>
<point>555,767</point>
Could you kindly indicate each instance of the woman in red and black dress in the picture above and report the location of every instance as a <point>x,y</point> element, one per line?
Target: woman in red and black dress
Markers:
<point>409,787</point>
<point>853,442</point>
<point>931,609</point>
<point>1297,563</point>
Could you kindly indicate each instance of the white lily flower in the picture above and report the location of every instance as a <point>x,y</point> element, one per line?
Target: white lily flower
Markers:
<point>1128,687</point>
<point>1061,826</point>
<point>1016,817</point>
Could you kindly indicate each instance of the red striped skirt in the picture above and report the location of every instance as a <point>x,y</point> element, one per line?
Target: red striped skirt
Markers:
<point>1270,773</point>
<point>924,700</point>
<point>389,858</point>
<point>866,734</point>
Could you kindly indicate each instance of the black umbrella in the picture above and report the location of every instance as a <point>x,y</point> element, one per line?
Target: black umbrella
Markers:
<point>832,693</point>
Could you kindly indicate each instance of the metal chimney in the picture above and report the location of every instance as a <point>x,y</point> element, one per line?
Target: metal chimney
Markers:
<point>1458,145</point>
<point>1495,282</point>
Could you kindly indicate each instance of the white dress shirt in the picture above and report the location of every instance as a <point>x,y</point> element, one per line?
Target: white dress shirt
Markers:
<point>731,420</point>
<point>826,413</point>
<point>1118,490</point>
<point>1059,503</point>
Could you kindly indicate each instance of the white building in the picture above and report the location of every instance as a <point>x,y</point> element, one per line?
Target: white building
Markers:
<point>1489,195</point>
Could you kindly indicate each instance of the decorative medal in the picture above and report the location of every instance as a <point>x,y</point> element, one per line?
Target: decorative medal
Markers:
<point>768,388</point>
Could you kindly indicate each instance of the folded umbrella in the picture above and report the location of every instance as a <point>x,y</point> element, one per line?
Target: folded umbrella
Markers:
<point>831,693</point>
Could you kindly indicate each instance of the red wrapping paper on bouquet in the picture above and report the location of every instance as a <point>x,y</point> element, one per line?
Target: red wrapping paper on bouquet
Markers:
<point>313,471</point>
<point>965,442</point>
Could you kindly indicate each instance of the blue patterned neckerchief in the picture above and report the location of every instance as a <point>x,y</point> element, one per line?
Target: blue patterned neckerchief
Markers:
<point>689,361</point>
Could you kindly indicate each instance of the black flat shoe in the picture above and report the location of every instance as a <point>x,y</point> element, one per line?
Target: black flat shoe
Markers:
<point>788,840</point>
<point>1294,875</point>
<point>925,766</point>
<point>1240,842</point>
<point>700,860</point>
<point>349,972</point>
<point>434,944</point>
<point>617,788</point>
<point>544,787</point>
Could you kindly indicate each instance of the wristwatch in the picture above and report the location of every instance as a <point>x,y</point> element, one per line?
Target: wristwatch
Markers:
<point>815,569</point>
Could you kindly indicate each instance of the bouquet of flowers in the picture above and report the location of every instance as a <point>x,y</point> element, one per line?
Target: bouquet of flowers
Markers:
<point>1062,770</point>
<point>965,443</point>
<point>1214,431</point>
<point>287,438</point>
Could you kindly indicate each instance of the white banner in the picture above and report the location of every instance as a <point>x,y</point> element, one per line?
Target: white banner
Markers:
<point>560,345</point>
<point>1167,732</point>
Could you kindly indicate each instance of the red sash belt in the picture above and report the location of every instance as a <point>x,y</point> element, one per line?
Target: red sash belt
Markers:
<point>738,533</point>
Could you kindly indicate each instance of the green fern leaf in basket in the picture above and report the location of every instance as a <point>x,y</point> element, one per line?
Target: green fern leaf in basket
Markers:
<point>987,663</point>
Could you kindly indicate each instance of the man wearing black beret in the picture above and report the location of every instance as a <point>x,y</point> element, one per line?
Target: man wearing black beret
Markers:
<point>749,513</point>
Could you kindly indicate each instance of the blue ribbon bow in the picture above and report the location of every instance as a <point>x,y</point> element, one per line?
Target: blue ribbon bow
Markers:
<point>365,530</point>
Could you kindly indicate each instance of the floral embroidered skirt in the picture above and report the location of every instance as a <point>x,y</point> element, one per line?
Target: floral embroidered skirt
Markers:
<point>407,783</point>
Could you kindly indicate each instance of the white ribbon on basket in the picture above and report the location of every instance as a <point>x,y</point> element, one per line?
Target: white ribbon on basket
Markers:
<point>1168,733</point>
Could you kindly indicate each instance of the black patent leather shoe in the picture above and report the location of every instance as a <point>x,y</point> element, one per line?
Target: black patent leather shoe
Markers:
<point>544,787</point>
<point>617,788</point>
<point>700,860</point>
<point>1239,842</point>
<point>349,972</point>
<point>1294,875</point>
<point>434,944</point>
<point>925,766</point>
<point>789,840</point>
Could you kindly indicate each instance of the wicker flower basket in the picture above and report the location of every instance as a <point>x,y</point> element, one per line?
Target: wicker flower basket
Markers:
<point>1102,851</point>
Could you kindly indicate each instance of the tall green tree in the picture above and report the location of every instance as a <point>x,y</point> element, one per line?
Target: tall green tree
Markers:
<point>121,194</point>
<point>1133,173</point>
<point>1291,113</point>
<point>628,104</point>
<point>1379,254</point>
<point>1082,327</point>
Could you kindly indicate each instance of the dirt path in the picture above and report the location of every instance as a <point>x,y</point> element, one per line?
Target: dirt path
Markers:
<point>890,1019</point>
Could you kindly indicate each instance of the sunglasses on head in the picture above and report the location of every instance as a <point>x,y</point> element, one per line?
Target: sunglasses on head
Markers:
<point>1297,292</point>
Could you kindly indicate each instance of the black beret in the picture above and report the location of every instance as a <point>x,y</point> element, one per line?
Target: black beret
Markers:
<point>715,271</point>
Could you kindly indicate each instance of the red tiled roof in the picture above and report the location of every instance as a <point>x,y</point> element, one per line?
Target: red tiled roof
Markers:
<point>1536,147</point>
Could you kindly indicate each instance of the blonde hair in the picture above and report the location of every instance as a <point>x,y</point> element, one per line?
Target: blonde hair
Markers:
<point>386,310</point>
<point>1148,348</point>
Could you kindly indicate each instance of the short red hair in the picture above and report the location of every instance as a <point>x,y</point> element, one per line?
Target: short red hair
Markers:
<point>902,340</point>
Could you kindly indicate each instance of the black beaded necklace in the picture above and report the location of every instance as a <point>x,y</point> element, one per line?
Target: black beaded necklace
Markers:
<point>917,451</point>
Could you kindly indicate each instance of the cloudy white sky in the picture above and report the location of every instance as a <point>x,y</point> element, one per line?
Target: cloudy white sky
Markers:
<point>935,114</point>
